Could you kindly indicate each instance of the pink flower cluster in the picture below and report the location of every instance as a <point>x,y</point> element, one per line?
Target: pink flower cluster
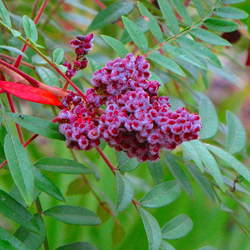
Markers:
<point>136,120</point>
<point>82,44</point>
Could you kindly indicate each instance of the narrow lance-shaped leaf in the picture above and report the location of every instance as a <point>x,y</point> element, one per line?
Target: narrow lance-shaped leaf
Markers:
<point>37,125</point>
<point>220,25</point>
<point>209,119</point>
<point>111,14</point>
<point>44,184</point>
<point>8,241</point>
<point>181,9</point>
<point>58,55</point>
<point>169,15</point>
<point>60,165</point>
<point>203,181</point>
<point>192,154</point>
<point>236,135</point>
<point>4,14</point>
<point>30,239</point>
<point>16,212</point>
<point>47,76</point>
<point>30,93</point>
<point>153,24</point>
<point>209,162</point>
<point>166,63</point>
<point>125,192</point>
<point>136,34</point>
<point>231,12</point>
<point>30,29</point>
<point>209,37</point>
<point>152,228</point>
<point>176,169</point>
<point>231,161</point>
<point>200,8</point>
<point>116,45</point>
<point>13,50</point>
<point>20,167</point>
<point>73,215</point>
<point>177,227</point>
<point>161,195</point>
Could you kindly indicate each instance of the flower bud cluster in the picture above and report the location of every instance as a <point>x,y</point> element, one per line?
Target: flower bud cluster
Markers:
<point>136,120</point>
<point>82,45</point>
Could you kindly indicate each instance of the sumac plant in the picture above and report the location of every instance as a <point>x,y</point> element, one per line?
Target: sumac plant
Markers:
<point>106,125</point>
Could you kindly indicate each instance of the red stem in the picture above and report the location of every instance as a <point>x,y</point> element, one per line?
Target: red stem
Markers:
<point>100,4</point>
<point>12,59</point>
<point>36,20</point>
<point>105,158</point>
<point>32,138</point>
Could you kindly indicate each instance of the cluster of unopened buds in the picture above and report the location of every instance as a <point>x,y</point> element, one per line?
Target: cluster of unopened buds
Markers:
<point>82,45</point>
<point>135,119</point>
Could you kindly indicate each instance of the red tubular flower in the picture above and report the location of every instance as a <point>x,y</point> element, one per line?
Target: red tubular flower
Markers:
<point>29,93</point>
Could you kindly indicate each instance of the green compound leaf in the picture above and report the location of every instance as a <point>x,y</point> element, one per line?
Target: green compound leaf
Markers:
<point>30,29</point>
<point>116,45</point>
<point>161,195</point>
<point>30,239</point>
<point>166,246</point>
<point>37,125</point>
<point>45,185</point>
<point>9,242</point>
<point>4,14</point>
<point>152,228</point>
<point>166,63</point>
<point>60,165</point>
<point>136,34</point>
<point>111,14</point>
<point>78,246</point>
<point>209,118</point>
<point>20,167</point>
<point>58,55</point>
<point>73,215</point>
<point>125,192</point>
<point>16,212</point>
<point>230,161</point>
<point>231,12</point>
<point>169,15</point>
<point>220,25</point>
<point>232,1</point>
<point>209,37</point>
<point>236,135</point>
<point>178,227</point>
<point>209,162</point>
<point>153,24</point>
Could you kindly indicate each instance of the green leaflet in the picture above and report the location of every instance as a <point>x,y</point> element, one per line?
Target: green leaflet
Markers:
<point>20,167</point>
<point>231,12</point>
<point>236,135</point>
<point>209,37</point>
<point>116,45</point>
<point>111,14</point>
<point>125,192</point>
<point>153,24</point>
<point>166,63</point>
<point>152,229</point>
<point>73,215</point>
<point>30,29</point>
<point>177,227</point>
<point>169,15</point>
<point>136,34</point>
